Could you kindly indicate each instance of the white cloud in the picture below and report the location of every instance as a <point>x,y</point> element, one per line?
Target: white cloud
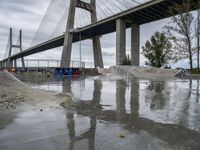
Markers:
<point>27,14</point>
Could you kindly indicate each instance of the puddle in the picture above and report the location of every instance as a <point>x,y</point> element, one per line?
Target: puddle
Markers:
<point>123,114</point>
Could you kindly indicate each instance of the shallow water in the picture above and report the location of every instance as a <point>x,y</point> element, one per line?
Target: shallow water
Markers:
<point>123,114</point>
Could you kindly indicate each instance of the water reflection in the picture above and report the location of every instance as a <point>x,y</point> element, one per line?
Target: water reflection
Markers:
<point>155,114</point>
<point>66,86</point>
<point>120,99</point>
<point>197,93</point>
<point>134,103</point>
<point>132,122</point>
<point>71,128</point>
<point>158,98</point>
<point>93,105</point>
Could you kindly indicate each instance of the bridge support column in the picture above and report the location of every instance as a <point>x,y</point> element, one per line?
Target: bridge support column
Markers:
<point>98,60</point>
<point>4,64</point>
<point>9,63</point>
<point>67,47</point>
<point>15,63</point>
<point>20,46</point>
<point>135,45</point>
<point>1,64</point>
<point>120,41</point>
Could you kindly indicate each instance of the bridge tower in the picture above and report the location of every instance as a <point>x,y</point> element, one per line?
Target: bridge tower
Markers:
<point>11,46</point>
<point>67,47</point>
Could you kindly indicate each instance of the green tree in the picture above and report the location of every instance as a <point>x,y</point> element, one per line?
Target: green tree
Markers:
<point>157,50</point>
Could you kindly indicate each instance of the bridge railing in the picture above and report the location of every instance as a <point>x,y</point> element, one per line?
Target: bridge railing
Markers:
<point>48,63</point>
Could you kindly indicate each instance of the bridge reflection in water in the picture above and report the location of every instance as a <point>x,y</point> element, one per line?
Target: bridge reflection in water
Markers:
<point>152,114</point>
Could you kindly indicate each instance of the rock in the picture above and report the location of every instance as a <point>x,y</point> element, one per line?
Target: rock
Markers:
<point>3,96</point>
<point>121,135</point>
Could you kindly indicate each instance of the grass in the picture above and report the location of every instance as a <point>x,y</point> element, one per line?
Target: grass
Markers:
<point>195,71</point>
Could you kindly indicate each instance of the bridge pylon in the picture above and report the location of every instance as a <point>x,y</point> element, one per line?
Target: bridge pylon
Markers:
<point>67,47</point>
<point>11,46</point>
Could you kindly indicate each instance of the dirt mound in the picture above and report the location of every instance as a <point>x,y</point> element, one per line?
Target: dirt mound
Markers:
<point>144,72</point>
<point>14,92</point>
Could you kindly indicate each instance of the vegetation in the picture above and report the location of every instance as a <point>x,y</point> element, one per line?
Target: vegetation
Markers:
<point>126,61</point>
<point>157,50</point>
<point>197,32</point>
<point>195,71</point>
<point>181,32</point>
<point>167,67</point>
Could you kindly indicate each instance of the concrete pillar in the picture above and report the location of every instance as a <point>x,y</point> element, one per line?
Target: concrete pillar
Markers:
<point>20,40</point>
<point>1,64</point>
<point>98,59</point>
<point>10,50</point>
<point>5,64</point>
<point>135,45</point>
<point>15,63</point>
<point>120,41</point>
<point>9,63</point>
<point>67,47</point>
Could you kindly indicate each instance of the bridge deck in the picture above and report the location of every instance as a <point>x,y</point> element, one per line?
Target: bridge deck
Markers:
<point>148,12</point>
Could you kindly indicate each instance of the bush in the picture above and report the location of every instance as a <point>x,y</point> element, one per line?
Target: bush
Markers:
<point>167,67</point>
<point>126,61</point>
<point>195,71</point>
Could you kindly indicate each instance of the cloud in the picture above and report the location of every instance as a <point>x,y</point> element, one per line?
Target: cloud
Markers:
<point>27,15</point>
<point>20,14</point>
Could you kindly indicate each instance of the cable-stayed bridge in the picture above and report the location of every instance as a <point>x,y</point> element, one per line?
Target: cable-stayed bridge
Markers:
<point>90,19</point>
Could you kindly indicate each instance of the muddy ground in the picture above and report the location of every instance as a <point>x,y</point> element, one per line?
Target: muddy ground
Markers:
<point>14,93</point>
<point>108,112</point>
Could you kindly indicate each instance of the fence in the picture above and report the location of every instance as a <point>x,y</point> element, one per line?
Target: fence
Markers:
<point>48,63</point>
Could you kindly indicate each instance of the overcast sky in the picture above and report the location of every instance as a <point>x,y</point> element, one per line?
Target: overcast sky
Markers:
<point>27,15</point>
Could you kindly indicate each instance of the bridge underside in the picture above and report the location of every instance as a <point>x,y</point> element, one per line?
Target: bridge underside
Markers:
<point>142,14</point>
